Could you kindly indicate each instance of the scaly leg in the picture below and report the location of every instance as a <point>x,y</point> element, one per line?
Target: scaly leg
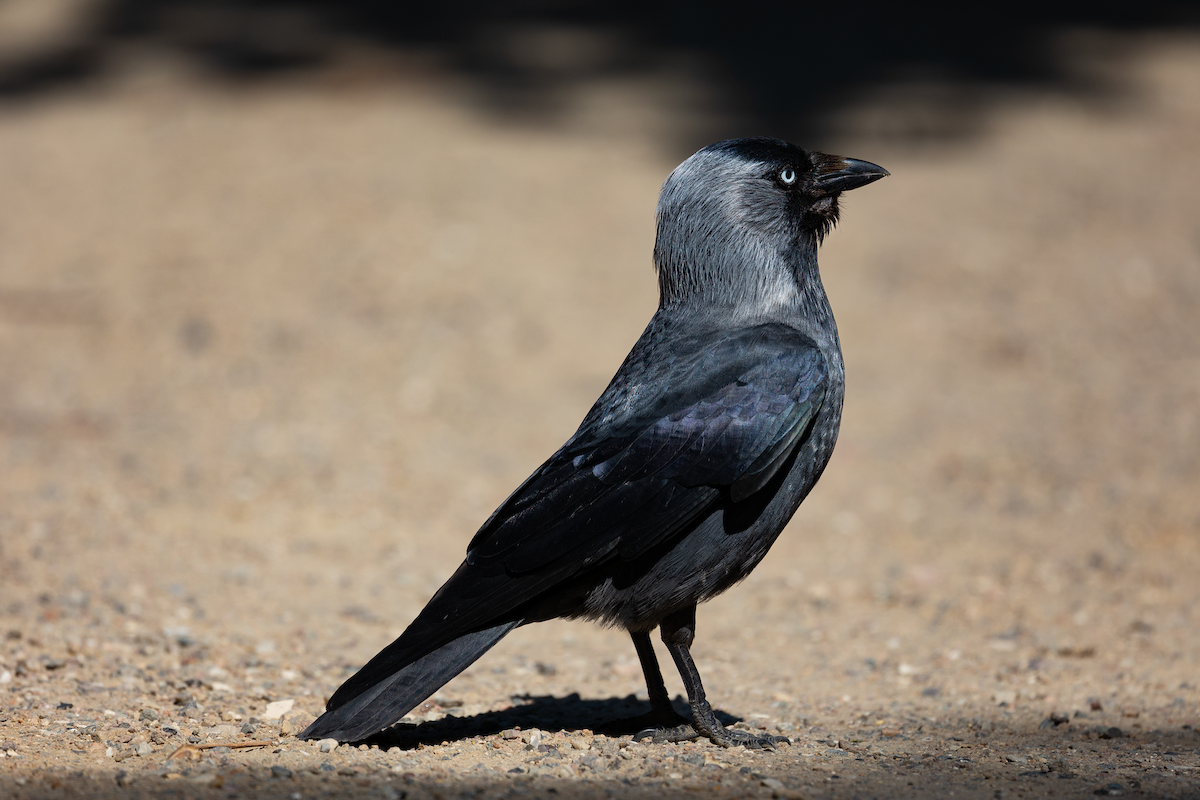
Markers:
<point>678,633</point>
<point>662,724</point>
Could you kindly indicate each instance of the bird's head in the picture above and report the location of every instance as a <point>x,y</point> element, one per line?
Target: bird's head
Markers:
<point>739,221</point>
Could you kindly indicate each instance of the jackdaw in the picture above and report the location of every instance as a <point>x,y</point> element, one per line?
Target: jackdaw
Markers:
<point>687,468</point>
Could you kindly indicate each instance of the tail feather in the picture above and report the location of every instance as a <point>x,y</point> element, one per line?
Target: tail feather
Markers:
<point>395,695</point>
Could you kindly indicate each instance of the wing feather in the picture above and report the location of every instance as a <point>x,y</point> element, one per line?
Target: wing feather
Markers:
<point>661,467</point>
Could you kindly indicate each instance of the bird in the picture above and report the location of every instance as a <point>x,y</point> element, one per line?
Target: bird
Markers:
<point>686,469</point>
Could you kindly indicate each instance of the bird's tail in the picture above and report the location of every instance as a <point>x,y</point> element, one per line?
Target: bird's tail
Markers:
<point>402,689</point>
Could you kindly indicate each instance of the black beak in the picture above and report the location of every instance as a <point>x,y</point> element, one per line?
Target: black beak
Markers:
<point>847,173</point>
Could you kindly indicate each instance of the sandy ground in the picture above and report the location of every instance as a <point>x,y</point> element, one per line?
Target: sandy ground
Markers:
<point>269,356</point>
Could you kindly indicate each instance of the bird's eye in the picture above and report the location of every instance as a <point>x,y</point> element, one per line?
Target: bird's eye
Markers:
<point>788,176</point>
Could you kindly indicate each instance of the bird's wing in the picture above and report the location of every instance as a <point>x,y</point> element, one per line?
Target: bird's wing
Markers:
<point>716,421</point>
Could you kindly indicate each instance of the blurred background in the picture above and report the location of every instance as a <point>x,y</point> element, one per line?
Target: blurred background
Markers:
<point>802,70</point>
<point>292,294</point>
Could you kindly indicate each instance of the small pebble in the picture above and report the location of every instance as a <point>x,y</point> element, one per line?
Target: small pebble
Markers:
<point>277,709</point>
<point>280,771</point>
<point>327,745</point>
<point>148,715</point>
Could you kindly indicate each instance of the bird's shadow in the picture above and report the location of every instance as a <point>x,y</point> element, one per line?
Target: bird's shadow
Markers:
<point>613,716</point>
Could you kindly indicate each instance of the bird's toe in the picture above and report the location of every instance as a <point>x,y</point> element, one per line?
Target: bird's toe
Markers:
<point>678,733</point>
<point>728,737</point>
<point>657,720</point>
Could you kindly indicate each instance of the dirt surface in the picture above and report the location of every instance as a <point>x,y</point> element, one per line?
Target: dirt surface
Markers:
<point>269,356</point>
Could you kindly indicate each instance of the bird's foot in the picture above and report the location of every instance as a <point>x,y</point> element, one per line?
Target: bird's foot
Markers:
<point>662,728</point>
<point>658,726</point>
<point>683,732</point>
<point>707,724</point>
<point>731,737</point>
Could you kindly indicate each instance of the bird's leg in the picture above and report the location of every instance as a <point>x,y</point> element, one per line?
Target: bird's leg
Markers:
<point>678,632</point>
<point>662,724</point>
<point>659,699</point>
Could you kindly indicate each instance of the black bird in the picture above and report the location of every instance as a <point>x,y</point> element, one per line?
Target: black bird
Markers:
<point>687,468</point>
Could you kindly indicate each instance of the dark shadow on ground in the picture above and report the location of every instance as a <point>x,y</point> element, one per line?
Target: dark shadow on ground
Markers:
<point>1039,765</point>
<point>612,716</point>
<point>786,69</point>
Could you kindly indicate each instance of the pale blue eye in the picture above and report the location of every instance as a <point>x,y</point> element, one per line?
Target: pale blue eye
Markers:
<point>788,176</point>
